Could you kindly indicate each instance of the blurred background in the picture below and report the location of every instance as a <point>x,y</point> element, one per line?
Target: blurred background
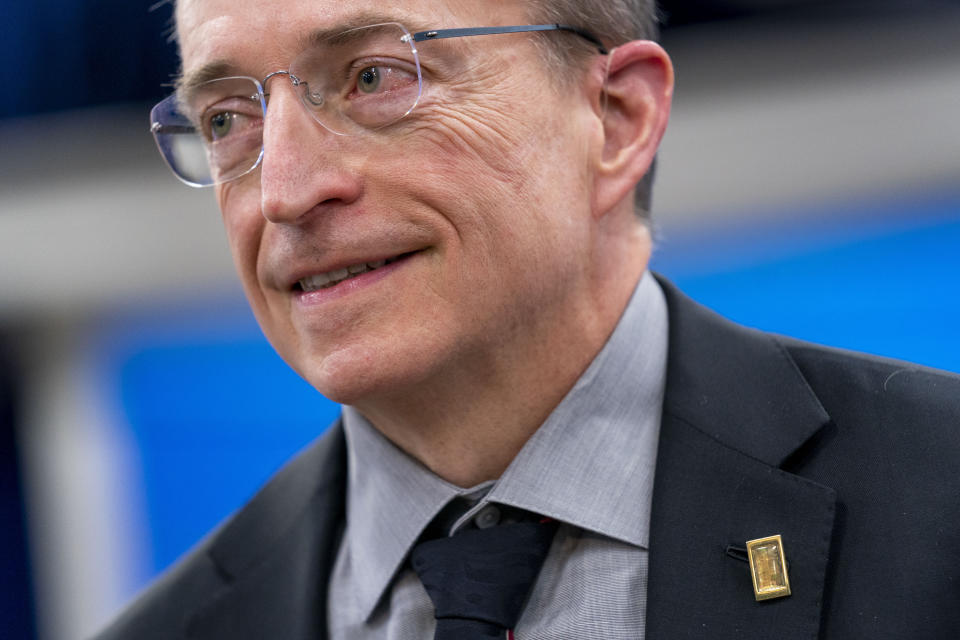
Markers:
<point>808,185</point>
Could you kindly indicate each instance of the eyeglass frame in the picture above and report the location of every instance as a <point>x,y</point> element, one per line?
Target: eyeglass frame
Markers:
<point>438,34</point>
<point>419,36</point>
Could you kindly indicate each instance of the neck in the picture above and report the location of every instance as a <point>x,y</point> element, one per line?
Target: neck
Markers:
<point>467,424</point>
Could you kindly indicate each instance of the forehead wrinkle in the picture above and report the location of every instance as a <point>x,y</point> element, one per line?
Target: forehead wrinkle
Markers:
<point>216,69</point>
<point>361,19</point>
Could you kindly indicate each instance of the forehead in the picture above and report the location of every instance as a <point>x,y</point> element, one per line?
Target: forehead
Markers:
<point>244,31</point>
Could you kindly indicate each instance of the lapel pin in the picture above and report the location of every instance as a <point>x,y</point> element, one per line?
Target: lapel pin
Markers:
<point>768,568</point>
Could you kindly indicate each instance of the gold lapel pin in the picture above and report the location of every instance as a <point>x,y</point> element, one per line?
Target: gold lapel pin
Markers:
<point>768,568</point>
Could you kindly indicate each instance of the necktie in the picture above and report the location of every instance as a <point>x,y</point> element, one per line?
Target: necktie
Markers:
<point>479,579</point>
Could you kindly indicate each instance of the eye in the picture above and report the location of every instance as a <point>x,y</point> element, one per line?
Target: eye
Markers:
<point>220,124</point>
<point>369,79</point>
<point>381,79</point>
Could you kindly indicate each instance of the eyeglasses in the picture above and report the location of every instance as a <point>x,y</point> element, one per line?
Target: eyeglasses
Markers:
<point>361,80</point>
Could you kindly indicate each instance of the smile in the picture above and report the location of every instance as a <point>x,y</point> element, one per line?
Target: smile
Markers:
<point>335,277</point>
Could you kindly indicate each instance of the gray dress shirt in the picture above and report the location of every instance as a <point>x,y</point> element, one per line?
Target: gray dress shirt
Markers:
<point>590,466</point>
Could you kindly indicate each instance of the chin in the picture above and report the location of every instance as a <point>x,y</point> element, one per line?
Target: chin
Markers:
<point>360,367</point>
<point>340,391</point>
<point>356,376</point>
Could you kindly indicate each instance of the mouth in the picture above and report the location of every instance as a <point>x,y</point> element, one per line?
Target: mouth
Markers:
<point>330,279</point>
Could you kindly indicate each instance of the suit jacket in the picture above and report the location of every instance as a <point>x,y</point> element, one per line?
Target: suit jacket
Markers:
<point>853,460</point>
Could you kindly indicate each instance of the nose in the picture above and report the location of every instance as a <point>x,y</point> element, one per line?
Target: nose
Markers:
<point>302,171</point>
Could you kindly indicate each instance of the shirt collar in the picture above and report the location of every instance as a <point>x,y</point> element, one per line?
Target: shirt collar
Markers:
<point>590,464</point>
<point>391,498</point>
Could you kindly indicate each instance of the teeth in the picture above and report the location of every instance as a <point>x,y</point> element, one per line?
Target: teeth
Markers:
<point>324,280</point>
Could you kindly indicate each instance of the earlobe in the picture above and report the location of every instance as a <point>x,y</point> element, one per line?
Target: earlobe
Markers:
<point>636,107</point>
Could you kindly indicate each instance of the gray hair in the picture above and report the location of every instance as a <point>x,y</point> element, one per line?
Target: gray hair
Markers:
<point>615,22</point>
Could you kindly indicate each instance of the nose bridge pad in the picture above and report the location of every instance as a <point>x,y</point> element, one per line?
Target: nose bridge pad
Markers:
<point>315,98</point>
<point>314,103</point>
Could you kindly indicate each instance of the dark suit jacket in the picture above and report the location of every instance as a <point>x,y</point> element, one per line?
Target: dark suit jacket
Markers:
<point>854,460</point>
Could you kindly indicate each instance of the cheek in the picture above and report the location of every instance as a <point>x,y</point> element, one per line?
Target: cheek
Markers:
<point>485,141</point>
<point>490,177</point>
<point>501,126</point>
<point>244,228</point>
<point>475,164</point>
<point>482,130</point>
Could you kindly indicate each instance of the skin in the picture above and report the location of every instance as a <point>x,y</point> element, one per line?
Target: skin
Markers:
<point>514,192</point>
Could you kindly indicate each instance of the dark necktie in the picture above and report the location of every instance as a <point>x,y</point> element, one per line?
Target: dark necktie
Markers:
<point>479,579</point>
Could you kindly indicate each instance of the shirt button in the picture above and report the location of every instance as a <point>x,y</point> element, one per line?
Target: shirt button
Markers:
<point>488,517</point>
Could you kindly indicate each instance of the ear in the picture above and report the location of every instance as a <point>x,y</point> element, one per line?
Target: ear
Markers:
<point>637,97</point>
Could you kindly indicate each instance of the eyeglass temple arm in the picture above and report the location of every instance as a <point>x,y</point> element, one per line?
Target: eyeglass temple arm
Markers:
<point>157,127</point>
<point>438,34</point>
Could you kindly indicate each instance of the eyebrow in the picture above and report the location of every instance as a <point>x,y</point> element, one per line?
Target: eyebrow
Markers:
<point>184,84</point>
<point>188,82</point>
<point>363,19</point>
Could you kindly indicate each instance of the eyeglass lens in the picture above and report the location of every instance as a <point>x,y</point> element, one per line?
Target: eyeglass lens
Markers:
<point>360,80</point>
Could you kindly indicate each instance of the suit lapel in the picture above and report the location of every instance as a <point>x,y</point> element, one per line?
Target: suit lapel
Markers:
<point>275,557</point>
<point>736,410</point>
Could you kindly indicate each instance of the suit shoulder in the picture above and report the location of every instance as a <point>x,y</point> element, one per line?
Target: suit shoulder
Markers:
<point>162,611</point>
<point>158,613</point>
<point>908,404</point>
<point>861,373</point>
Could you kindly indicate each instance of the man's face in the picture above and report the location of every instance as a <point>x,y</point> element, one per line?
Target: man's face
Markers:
<point>478,201</point>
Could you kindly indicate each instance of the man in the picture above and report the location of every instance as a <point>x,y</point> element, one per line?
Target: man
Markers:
<point>445,231</point>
